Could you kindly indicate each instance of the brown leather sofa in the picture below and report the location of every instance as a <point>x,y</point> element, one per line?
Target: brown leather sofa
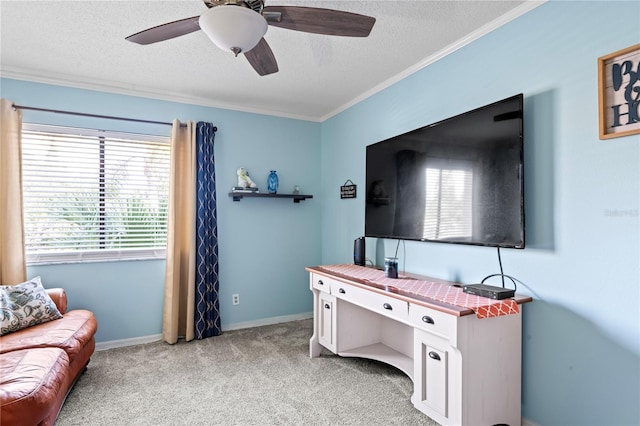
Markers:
<point>40,364</point>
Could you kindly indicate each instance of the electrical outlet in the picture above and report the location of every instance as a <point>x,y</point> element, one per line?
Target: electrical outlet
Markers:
<point>235,299</point>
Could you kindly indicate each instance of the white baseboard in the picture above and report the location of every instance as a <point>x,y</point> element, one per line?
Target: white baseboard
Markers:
<point>267,321</point>
<point>527,422</point>
<point>121,343</point>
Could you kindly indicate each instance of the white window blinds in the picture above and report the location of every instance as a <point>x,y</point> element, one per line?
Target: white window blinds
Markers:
<point>93,195</point>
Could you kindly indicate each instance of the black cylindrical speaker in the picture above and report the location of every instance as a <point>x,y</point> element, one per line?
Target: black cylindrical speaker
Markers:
<point>358,251</point>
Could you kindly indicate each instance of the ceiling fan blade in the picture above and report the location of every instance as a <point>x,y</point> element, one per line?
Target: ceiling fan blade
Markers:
<point>321,21</point>
<point>166,31</point>
<point>262,59</point>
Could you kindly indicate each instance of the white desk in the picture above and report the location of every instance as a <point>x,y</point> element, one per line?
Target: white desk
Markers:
<point>465,370</point>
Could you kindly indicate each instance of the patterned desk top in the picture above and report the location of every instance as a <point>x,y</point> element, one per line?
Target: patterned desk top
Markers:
<point>425,288</point>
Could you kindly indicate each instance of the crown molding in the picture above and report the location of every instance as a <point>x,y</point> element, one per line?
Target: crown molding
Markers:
<point>116,88</point>
<point>526,7</point>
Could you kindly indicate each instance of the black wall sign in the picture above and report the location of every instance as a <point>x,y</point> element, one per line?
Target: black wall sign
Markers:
<point>348,191</point>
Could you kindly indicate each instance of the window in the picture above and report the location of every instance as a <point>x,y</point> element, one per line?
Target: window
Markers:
<point>448,207</point>
<point>93,195</point>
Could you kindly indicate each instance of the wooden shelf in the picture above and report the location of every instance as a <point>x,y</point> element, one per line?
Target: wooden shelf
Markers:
<point>237,196</point>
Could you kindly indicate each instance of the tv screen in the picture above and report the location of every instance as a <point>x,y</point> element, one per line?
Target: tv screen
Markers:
<point>459,180</point>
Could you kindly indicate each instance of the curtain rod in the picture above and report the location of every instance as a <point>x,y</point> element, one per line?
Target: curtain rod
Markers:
<point>135,120</point>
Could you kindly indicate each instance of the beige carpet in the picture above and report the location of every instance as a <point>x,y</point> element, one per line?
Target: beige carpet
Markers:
<point>256,376</point>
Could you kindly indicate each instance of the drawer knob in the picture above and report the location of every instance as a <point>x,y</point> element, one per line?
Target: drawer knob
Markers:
<point>434,355</point>
<point>388,307</point>
<point>341,291</point>
<point>320,282</point>
<point>428,319</point>
<point>326,306</point>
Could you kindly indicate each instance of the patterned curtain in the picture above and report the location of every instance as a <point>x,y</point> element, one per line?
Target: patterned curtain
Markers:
<point>207,314</point>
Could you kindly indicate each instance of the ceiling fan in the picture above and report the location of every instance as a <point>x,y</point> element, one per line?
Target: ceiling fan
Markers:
<point>238,26</point>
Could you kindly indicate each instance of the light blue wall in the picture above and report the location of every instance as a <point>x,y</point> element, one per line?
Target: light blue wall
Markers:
<point>581,342</point>
<point>581,347</point>
<point>264,243</point>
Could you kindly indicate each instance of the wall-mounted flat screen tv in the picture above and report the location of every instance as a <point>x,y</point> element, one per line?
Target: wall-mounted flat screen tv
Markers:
<point>459,180</point>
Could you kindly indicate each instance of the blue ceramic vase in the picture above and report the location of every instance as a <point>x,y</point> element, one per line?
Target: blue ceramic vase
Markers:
<point>272,182</point>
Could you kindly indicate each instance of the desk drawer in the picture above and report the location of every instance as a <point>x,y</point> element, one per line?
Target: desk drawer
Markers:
<point>321,283</point>
<point>433,321</point>
<point>379,303</point>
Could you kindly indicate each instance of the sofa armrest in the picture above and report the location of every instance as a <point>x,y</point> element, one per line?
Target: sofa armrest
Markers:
<point>59,297</point>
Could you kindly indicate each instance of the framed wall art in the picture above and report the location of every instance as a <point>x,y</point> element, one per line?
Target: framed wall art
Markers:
<point>619,93</point>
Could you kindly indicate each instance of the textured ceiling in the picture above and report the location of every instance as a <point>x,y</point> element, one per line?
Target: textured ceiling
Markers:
<point>82,44</point>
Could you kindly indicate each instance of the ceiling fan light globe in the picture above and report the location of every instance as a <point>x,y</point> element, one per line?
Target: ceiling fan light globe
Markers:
<point>233,27</point>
